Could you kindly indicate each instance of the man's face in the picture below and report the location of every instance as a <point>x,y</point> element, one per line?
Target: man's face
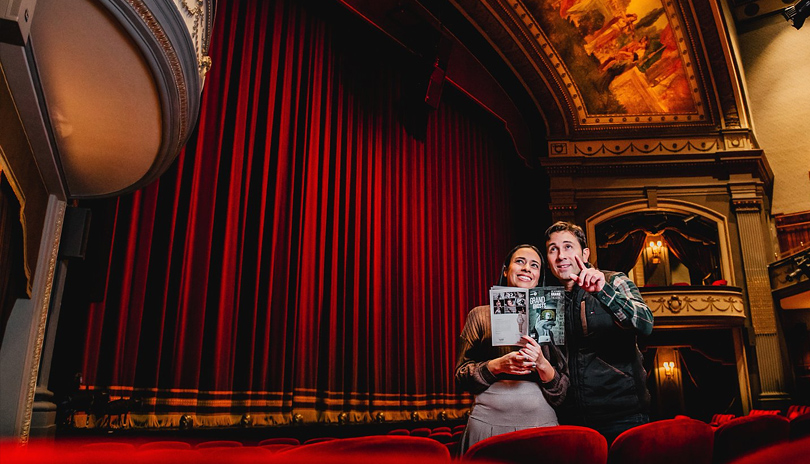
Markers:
<point>560,250</point>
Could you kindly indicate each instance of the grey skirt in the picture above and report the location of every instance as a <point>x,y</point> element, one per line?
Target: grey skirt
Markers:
<point>507,406</point>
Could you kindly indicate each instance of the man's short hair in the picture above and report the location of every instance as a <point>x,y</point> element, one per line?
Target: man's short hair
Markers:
<point>563,226</point>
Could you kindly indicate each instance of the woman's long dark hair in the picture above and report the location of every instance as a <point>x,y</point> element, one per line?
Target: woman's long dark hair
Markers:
<point>502,278</point>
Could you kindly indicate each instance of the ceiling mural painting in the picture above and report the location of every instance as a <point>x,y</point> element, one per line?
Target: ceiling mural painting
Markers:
<point>622,61</point>
<point>621,77</point>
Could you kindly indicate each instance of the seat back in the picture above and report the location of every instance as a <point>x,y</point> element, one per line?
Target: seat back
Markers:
<point>763,412</point>
<point>441,437</point>
<point>280,441</point>
<point>399,432</point>
<point>375,446</point>
<point>800,426</point>
<point>165,444</point>
<point>746,434</point>
<point>672,441</point>
<point>793,452</point>
<point>795,410</point>
<point>312,441</point>
<point>565,443</point>
<point>119,447</point>
<point>718,419</point>
<point>218,444</point>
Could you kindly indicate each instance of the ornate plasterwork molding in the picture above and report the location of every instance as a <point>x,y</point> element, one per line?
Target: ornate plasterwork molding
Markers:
<point>170,54</point>
<point>747,205</point>
<point>705,144</point>
<point>198,17</point>
<point>695,303</point>
<point>42,300</point>
<point>609,148</point>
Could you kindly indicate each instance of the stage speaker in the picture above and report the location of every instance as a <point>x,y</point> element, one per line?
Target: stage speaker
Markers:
<point>75,230</point>
<point>15,20</point>
<point>433,95</point>
<point>434,88</point>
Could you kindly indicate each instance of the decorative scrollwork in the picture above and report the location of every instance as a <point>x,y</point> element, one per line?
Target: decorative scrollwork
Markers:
<point>695,303</point>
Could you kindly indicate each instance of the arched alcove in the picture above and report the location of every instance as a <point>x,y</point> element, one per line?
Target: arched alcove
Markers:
<point>684,211</point>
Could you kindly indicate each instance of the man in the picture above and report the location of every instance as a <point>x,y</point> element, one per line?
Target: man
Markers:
<point>604,312</point>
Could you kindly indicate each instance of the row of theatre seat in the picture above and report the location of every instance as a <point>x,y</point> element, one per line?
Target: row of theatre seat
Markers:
<point>792,412</point>
<point>752,439</point>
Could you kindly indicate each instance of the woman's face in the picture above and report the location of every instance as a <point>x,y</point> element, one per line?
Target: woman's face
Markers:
<point>524,269</point>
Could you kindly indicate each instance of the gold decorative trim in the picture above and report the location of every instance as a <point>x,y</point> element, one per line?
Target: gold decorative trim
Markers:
<point>695,303</point>
<point>43,306</point>
<point>201,25</point>
<point>258,419</point>
<point>643,147</point>
<point>555,207</point>
<point>750,205</point>
<point>174,62</point>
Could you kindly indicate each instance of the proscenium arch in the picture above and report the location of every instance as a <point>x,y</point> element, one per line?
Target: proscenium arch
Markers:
<point>665,205</point>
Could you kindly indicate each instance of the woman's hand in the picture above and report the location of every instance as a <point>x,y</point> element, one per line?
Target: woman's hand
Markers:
<point>524,361</point>
<point>514,363</point>
<point>533,352</point>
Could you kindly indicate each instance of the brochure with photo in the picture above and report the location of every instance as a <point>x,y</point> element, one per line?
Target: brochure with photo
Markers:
<point>536,312</point>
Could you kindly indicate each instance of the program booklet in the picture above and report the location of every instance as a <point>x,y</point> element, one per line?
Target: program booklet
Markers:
<point>536,312</point>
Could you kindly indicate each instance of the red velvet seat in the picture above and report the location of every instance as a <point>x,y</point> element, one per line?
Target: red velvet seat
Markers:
<point>218,444</point>
<point>119,447</point>
<point>165,444</point>
<point>442,429</point>
<point>39,452</point>
<point>565,444</point>
<point>459,427</point>
<point>441,437</point>
<point>240,454</point>
<point>376,446</point>
<point>795,410</point>
<point>421,432</point>
<point>59,454</point>
<point>800,426</point>
<point>277,447</point>
<point>746,434</point>
<point>763,412</point>
<point>453,447</point>
<point>312,441</point>
<point>399,432</point>
<point>718,419</point>
<point>793,452</point>
<point>672,441</point>
<point>157,456</point>
<point>280,441</point>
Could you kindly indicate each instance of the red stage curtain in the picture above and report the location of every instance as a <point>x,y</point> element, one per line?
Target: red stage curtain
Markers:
<point>697,254</point>
<point>305,254</point>
<point>622,255</point>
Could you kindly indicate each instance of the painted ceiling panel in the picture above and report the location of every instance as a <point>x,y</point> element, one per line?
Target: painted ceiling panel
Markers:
<point>640,67</point>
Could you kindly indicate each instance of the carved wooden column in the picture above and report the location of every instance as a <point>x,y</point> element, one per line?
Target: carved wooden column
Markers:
<point>756,251</point>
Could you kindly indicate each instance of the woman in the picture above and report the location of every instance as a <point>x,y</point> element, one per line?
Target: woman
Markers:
<point>515,387</point>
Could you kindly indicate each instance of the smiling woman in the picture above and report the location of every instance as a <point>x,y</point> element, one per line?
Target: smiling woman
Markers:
<point>515,387</point>
<point>523,267</point>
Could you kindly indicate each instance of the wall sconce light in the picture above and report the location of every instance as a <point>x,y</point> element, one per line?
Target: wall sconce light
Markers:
<point>669,366</point>
<point>655,251</point>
